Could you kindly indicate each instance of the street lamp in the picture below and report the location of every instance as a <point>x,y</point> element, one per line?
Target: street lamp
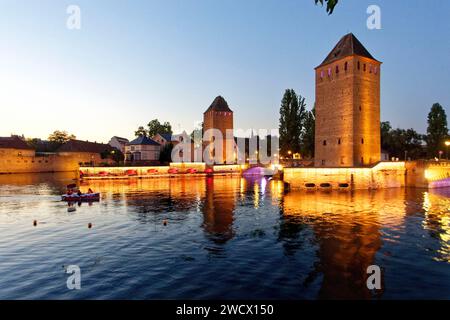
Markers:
<point>447,144</point>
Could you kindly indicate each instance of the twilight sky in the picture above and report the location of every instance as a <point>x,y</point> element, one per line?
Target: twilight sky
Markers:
<point>133,61</point>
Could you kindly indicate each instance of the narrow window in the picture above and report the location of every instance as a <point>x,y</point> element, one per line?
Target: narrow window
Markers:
<point>370,68</point>
<point>362,160</point>
<point>362,140</point>
<point>346,66</point>
<point>321,74</point>
<point>360,109</point>
<point>329,72</point>
<point>324,142</point>
<point>359,65</point>
<point>337,69</point>
<point>376,70</point>
<point>364,67</point>
<point>339,141</point>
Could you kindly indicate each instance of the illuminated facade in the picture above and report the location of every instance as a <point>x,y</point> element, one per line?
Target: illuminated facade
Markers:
<point>348,107</point>
<point>219,118</point>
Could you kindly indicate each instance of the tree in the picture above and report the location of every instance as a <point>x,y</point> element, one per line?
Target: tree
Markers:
<point>437,131</point>
<point>155,127</point>
<point>309,133</point>
<point>60,137</point>
<point>141,132</point>
<point>386,137</point>
<point>197,134</point>
<point>166,153</point>
<point>330,4</point>
<point>292,115</point>
<point>400,143</point>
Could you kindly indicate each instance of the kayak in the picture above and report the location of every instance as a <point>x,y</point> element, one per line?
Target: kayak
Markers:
<point>83,197</point>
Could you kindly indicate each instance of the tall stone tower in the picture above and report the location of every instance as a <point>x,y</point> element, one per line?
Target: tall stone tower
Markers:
<point>220,117</point>
<point>348,107</point>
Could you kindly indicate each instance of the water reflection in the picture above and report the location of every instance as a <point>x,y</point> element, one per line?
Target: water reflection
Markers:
<point>218,209</point>
<point>326,240</point>
<point>346,230</point>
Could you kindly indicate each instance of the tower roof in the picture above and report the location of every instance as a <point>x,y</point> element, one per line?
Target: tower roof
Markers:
<point>219,104</point>
<point>348,45</point>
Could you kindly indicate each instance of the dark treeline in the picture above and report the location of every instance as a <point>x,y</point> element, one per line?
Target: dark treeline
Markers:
<point>297,126</point>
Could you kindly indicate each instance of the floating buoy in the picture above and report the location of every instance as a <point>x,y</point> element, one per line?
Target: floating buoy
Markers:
<point>165,222</point>
<point>89,225</point>
<point>35,223</point>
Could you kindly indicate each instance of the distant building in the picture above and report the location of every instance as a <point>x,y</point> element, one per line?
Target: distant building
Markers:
<point>142,149</point>
<point>87,153</point>
<point>181,137</point>
<point>118,143</point>
<point>163,139</point>
<point>15,147</point>
<point>219,116</point>
<point>348,107</point>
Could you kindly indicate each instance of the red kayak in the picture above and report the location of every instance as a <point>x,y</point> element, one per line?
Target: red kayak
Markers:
<point>83,197</point>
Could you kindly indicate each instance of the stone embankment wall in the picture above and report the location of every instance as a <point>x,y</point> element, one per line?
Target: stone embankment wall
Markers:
<point>383,175</point>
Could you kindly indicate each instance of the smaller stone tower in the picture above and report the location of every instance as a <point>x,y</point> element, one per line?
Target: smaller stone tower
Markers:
<point>219,116</point>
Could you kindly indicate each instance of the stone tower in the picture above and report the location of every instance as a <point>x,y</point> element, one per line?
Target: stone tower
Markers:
<point>348,107</point>
<point>220,117</point>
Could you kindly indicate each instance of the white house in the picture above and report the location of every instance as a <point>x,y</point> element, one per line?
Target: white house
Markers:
<point>142,149</point>
<point>118,143</point>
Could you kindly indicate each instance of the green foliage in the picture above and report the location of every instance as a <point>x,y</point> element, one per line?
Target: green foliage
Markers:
<point>115,155</point>
<point>437,131</point>
<point>197,134</point>
<point>309,127</point>
<point>400,142</point>
<point>141,132</point>
<point>42,146</point>
<point>155,127</point>
<point>331,4</point>
<point>60,137</point>
<point>166,153</point>
<point>292,116</point>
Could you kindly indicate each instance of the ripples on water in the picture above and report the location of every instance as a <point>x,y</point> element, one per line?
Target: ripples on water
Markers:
<point>225,238</point>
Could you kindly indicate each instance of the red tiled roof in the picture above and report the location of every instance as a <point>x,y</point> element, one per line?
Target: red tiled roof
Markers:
<point>219,104</point>
<point>84,146</point>
<point>14,143</point>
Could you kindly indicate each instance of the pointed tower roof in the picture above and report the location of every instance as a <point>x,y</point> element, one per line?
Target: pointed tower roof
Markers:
<point>348,45</point>
<point>219,104</point>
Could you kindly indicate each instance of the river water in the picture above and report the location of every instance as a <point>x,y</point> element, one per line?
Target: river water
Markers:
<point>222,237</point>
